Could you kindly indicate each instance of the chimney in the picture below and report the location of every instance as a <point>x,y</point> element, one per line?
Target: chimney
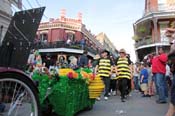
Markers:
<point>80,17</point>
<point>63,14</point>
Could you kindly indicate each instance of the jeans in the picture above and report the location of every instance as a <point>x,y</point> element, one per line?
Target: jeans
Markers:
<point>136,82</point>
<point>154,80</point>
<point>113,84</point>
<point>124,87</point>
<point>106,81</point>
<point>166,86</point>
<point>160,86</point>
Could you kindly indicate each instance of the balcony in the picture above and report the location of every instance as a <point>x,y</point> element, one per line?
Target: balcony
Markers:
<point>163,12</point>
<point>143,42</point>
<point>62,44</point>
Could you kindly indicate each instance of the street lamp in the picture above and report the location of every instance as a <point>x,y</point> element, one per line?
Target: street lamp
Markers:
<point>1,35</point>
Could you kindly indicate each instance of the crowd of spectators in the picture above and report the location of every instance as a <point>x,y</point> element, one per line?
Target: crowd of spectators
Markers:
<point>36,62</point>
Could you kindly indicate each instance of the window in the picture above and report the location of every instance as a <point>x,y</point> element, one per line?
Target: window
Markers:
<point>71,36</point>
<point>43,37</point>
<point>163,26</point>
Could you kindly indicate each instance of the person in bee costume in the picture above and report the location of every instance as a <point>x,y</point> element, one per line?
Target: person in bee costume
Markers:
<point>123,72</point>
<point>104,67</point>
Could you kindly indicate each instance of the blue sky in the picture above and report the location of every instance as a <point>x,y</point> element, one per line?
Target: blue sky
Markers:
<point>113,17</point>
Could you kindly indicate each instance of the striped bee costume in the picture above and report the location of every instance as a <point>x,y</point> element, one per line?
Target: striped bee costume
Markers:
<point>124,76</point>
<point>104,67</point>
<point>123,68</point>
<point>104,71</point>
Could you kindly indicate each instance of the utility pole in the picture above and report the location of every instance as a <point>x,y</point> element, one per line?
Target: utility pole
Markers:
<point>156,39</point>
<point>1,29</point>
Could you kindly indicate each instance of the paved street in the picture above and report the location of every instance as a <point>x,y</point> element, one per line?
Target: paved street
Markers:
<point>135,106</point>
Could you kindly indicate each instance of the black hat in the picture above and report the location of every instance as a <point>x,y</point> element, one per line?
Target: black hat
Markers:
<point>106,52</point>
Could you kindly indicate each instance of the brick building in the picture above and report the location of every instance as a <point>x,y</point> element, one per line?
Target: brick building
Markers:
<point>55,33</point>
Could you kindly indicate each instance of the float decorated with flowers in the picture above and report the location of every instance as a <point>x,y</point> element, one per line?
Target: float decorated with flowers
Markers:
<point>69,91</point>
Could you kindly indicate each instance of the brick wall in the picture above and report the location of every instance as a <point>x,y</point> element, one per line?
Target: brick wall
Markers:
<point>151,5</point>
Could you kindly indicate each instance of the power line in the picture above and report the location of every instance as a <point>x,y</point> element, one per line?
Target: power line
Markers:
<point>45,16</point>
<point>123,21</point>
<point>29,4</point>
<point>24,7</point>
<point>14,8</point>
<point>38,3</point>
<point>27,11</point>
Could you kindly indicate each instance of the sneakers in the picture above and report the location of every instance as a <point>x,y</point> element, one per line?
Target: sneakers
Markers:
<point>114,93</point>
<point>161,102</point>
<point>122,100</point>
<point>106,98</point>
<point>98,98</point>
<point>146,95</point>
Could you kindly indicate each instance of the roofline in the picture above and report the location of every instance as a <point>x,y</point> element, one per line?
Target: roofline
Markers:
<point>155,15</point>
<point>152,45</point>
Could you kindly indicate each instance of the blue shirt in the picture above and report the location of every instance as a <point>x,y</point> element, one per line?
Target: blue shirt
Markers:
<point>144,72</point>
<point>83,62</point>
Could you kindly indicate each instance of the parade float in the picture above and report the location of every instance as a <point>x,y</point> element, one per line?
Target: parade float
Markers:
<point>68,92</point>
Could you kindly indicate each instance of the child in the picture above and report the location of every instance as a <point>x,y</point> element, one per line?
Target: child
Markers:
<point>144,80</point>
<point>113,82</point>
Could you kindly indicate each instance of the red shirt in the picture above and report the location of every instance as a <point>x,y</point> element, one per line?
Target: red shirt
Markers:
<point>159,63</point>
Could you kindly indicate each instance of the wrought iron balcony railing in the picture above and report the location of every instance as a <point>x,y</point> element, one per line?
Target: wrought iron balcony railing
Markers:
<point>62,44</point>
<point>143,42</point>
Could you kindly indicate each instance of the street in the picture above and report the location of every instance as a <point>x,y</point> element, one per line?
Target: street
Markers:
<point>134,106</point>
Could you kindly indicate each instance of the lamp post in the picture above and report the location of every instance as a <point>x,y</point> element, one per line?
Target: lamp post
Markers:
<point>1,34</point>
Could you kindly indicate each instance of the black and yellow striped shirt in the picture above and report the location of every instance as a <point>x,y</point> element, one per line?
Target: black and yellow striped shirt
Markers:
<point>123,68</point>
<point>104,67</point>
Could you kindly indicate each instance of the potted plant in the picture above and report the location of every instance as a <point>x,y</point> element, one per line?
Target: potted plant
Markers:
<point>142,29</point>
<point>135,37</point>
